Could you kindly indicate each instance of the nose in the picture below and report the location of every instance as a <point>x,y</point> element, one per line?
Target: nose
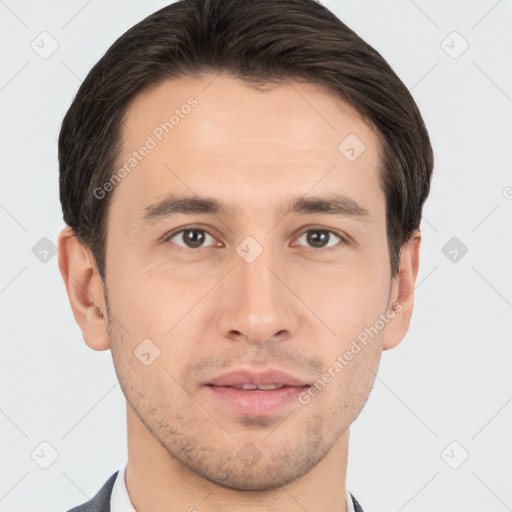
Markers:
<point>256,304</point>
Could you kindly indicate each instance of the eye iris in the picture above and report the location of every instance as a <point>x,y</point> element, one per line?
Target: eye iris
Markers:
<point>192,240</point>
<point>318,241</point>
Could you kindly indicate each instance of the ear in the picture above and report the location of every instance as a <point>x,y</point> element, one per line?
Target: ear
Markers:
<point>85,289</point>
<point>403,293</point>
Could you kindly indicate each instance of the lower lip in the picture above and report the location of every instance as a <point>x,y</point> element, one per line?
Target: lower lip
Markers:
<point>256,403</point>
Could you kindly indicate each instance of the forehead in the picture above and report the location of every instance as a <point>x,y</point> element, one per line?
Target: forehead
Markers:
<point>306,114</point>
<point>219,136</point>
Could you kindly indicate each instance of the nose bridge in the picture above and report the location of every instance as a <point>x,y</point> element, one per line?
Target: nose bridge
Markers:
<point>258,304</point>
<point>259,286</point>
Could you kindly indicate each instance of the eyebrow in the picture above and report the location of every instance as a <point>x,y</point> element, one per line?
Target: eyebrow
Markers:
<point>332,204</point>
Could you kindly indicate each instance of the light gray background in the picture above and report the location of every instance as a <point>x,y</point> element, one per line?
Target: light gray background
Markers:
<point>448,381</point>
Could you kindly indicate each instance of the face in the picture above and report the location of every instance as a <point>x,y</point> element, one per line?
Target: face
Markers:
<point>196,292</point>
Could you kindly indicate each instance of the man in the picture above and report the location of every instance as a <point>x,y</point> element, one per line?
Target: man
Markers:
<point>300,163</point>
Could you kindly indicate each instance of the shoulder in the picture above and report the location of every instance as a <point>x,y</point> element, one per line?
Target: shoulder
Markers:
<point>101,500</point>
<point>357,507</point>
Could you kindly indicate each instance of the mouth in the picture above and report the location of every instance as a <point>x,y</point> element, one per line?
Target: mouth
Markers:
<point>259,387</point>
<point>256,394</point>
<point>250,380</point>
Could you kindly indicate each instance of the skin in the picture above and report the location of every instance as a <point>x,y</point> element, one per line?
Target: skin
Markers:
<point>296,307</point>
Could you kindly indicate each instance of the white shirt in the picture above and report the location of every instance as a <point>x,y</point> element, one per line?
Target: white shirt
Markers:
<point>120,501</point>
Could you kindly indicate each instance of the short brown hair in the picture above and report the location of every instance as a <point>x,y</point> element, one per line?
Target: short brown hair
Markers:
<point>258,41</point>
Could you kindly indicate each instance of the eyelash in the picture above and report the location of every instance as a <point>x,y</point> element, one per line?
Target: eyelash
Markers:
<point>343,239</point>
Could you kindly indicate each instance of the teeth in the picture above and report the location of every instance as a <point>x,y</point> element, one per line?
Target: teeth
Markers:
<point>252,387</point>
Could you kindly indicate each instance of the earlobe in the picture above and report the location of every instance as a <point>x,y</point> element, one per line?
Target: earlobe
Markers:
<point>85,289</point>
<point>403,293</point>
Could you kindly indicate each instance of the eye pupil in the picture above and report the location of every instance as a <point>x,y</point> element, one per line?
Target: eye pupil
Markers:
<point>318,241</point>
<point>193,240</point>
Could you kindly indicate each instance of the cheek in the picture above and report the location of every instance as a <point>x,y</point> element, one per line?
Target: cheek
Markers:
<point>152,301</point>
<point>349,375</point>
<point>349,301</point>
<point>353,308</point>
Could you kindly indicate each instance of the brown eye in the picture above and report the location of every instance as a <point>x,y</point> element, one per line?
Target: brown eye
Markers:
<point>191,238</point>
<point>320,238</point>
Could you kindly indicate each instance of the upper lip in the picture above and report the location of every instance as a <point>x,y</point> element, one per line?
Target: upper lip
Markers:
<point>239,377</point>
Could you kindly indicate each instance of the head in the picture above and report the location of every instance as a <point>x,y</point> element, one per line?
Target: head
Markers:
<point>300,162</point>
